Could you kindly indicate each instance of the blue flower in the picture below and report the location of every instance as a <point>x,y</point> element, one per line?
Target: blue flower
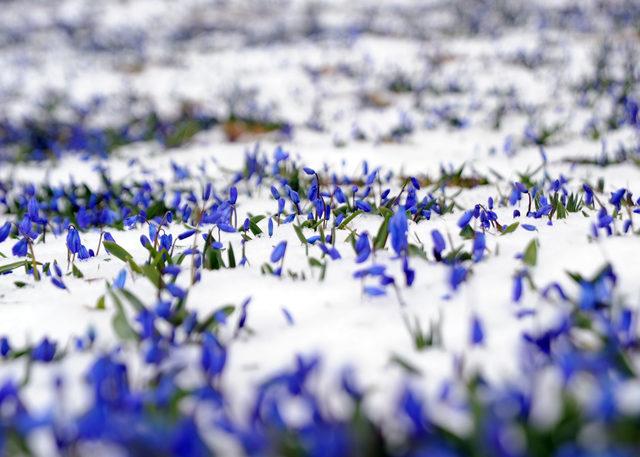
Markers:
<point>274,193</point>
<point>363,206</point>
<point>616,197</point>
<point>278,252</point>
<point>465,218</point>
<point>479,245</point>
<point>45,351</point>
<point>118,282</point>
<point>374,291</point>
<point>58,283</point>
<point>457,276</point>
<point>186,234</point>
<point>477,332</point>
<point>20,248</point>
<point>517,288</point>
<point>73,240</point>
<point>409,273</point>
<point>5,347</point>
<point>363,247</point>
<point>5,230</point>
<point>176,291</point>
<point>399,230</point>
<point>439,244</point>
<point>233,195</point>
<point>213,356</point>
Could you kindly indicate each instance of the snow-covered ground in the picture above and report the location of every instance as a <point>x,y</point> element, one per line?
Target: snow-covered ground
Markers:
<point>435,202</point>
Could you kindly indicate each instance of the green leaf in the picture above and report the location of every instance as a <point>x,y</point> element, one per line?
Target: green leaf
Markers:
<point>383,233</point>
<point>385,212</point>
<point>256,219</point>
<point>117,251</point>
<point>135,301</point>
<point>405,364</point>
<point>211,321</point>
<point>156,209</point>
<point>510,228</point>
<point>416,251</point>
<point>349,218</point>
<point>100,303</point>
<point>298,230</point>
<point>530,256</point>
<point>266,268</point>
<point>231,257</point>
<point>214,259</point>
<point>120,324</point>
<point>152,274</point>
<point>13,266</point>
<point>76,271</point>
<point>313,262</point>
<point>467,233</point>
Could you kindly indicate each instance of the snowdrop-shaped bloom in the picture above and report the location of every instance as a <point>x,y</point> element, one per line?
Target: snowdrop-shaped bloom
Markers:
<point>399,230</point>
<point>278,252</point>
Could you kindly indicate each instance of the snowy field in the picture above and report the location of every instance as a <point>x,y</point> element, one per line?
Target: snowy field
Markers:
<point>320,228</point>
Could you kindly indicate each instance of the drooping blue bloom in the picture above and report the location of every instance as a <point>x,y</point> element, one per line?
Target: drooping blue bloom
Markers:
<point>186,440</point>
<point>373,270</point>
<point>465,218</point>
<point>119,281</point>
<point>166,242</point>
<point>477,332</point>
<point>529,227</point>
<point>363,247</point>
<point>616,197</point>
<point>206,192</point>
<point>457,276</point>
<point>411,406</point>
<point>479,245</point>
<point>374,291</point>
<point>58,283</point>
<point>399,230</point>
<point>439,244</point>
<point>20,248</point>
<point>409,273</point>
<point>84,253</point>
<point>5,347</point>
<point>176,291</point>
<point>186,234</point>
<point>73,240</point>
<point>274,193</point>
<point>5,230</point>
<point>146,319</point>
<point>278,252</point>
<point>363,206</point>
<point>588,194</point>
<point>233,195</point>
<point>330,251</point>
<point>45,351</point>
<point>244,308</point>
<point>213,356</point>
<point>516,294</point>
